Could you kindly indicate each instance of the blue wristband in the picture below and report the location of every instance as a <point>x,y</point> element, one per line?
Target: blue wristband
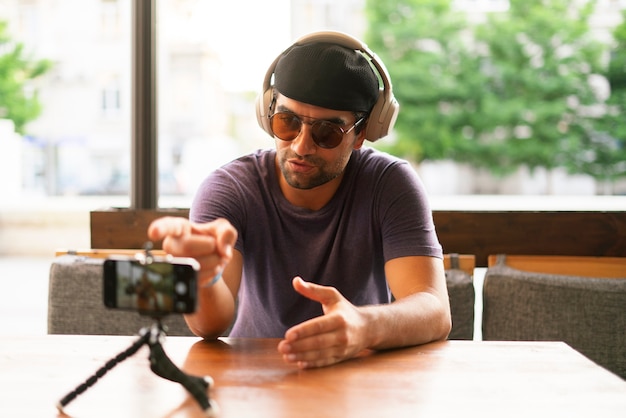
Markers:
<point>213,280</point>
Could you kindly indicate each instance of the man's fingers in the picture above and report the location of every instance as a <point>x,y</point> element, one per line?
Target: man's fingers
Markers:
<point>168,226</point>
<point>182,237</point>
<point>224,232</point>
<point>323,294</point>
<point>210,266</point>
<point>189,245</point>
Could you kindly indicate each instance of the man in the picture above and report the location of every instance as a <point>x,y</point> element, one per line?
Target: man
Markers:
<point>312,237</point>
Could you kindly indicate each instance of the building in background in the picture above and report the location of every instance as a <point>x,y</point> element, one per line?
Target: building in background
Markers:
<point>80,144</point>
<point>211,57</point>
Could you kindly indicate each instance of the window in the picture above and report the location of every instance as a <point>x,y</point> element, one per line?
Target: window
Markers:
<point>111,102</point>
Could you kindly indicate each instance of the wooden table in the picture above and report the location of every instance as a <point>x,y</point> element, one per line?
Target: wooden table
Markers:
<point>445,379</point>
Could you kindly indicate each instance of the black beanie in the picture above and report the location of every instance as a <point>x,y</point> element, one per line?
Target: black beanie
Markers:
<point>327,75</point>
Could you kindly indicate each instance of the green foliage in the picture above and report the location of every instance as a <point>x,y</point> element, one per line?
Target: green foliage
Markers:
<point>17,102</point>
<point>606,140</point>
<point>418,39</point>
<point>510,91</point>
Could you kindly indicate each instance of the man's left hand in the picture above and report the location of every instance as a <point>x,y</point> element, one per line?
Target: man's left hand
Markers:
<point>340,334</point>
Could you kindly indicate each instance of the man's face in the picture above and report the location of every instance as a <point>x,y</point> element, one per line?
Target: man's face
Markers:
<point>304,164</point>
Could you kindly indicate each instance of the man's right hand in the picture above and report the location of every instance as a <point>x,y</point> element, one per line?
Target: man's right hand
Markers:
<point>211,243</point>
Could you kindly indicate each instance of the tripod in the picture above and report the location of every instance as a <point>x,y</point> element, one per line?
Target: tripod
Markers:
<point>160,365</point>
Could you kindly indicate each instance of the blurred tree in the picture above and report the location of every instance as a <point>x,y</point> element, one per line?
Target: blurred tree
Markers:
<point>540,55</point>
<point>18,101</point>
<point>422,44</point>
<point>605,158</point>
<point>507,92</point>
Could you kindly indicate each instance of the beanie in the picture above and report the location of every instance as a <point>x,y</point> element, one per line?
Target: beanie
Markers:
<point>327,75</point>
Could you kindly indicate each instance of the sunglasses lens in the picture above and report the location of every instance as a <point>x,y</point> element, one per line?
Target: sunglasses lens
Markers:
<point>326,134</point>
<point>285,126</point>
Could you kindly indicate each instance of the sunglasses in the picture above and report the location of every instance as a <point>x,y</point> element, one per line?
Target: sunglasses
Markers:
<point>326,134</point>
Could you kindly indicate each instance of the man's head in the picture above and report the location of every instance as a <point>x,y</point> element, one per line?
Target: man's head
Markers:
<point>325,92</point>
<point>327,75</point>
<point>332,70</point>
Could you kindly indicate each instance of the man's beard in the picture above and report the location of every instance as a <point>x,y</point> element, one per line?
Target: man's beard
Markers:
<point>305,182</point>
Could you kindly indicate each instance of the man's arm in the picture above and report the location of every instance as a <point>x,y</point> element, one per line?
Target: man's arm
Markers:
<point>420,314</point>
<point>211,244</point>
<point>216,304</point>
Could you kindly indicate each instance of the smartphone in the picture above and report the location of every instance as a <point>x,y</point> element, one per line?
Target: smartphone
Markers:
<point>158,288</point>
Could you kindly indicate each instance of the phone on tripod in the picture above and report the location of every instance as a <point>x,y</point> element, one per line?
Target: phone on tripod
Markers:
<point>156,288</point>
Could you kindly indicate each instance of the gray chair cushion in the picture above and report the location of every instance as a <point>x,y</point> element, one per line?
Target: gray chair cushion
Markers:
<point>462,299</point>
<point>589,314</point>
<point>75,303</point>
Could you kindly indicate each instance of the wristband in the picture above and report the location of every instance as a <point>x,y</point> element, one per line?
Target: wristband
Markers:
<point>214,280</point>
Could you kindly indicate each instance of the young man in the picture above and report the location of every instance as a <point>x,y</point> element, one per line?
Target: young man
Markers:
<point>315,236</point>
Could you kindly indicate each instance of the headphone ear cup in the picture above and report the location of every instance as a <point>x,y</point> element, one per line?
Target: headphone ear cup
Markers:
<point>382,117</point>
<point>263,102</point>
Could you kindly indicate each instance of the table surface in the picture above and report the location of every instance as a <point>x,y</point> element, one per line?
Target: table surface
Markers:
<point>451,378</point>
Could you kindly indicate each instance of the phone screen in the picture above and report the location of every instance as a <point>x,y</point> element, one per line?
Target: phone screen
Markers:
<point>157,288</point>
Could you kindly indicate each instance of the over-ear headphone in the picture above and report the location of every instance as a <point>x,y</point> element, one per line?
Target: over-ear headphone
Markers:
<point>385,111</point>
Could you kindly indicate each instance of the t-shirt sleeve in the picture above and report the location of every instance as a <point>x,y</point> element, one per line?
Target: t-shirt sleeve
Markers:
<point>406,220</point>
<point>219,196</point>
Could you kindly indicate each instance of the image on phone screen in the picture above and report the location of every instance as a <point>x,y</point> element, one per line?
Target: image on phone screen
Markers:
<point>159,287</point>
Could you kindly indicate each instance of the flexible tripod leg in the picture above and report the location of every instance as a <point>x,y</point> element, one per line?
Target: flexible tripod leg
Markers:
<point>103,370</point>
<point>160,364</point>
<point>196,386</point>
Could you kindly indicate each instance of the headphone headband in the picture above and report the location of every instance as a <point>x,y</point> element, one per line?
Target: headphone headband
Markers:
<point>384,112</point>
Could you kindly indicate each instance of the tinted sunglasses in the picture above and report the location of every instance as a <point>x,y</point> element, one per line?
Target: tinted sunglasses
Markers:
<point>326,134</point>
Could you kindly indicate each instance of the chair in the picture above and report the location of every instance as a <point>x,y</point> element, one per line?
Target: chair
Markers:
<point>459,279</point>
<point>75,302</point>
<point>578,300</point>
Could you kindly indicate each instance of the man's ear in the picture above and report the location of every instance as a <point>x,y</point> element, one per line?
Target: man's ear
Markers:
<point>358,143</point>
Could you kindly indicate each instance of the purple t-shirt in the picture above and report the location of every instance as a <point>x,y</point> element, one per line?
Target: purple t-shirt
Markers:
<point>379,212</point>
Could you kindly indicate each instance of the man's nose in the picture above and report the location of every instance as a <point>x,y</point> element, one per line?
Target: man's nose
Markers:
<point>303,144</point>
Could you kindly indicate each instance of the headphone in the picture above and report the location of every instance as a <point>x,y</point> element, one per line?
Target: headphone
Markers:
<point>384,112</point>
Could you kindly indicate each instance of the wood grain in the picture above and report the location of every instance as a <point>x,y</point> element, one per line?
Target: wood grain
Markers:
<point>599,267</point>
<point>443,379</point>
<point>481,233</point>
